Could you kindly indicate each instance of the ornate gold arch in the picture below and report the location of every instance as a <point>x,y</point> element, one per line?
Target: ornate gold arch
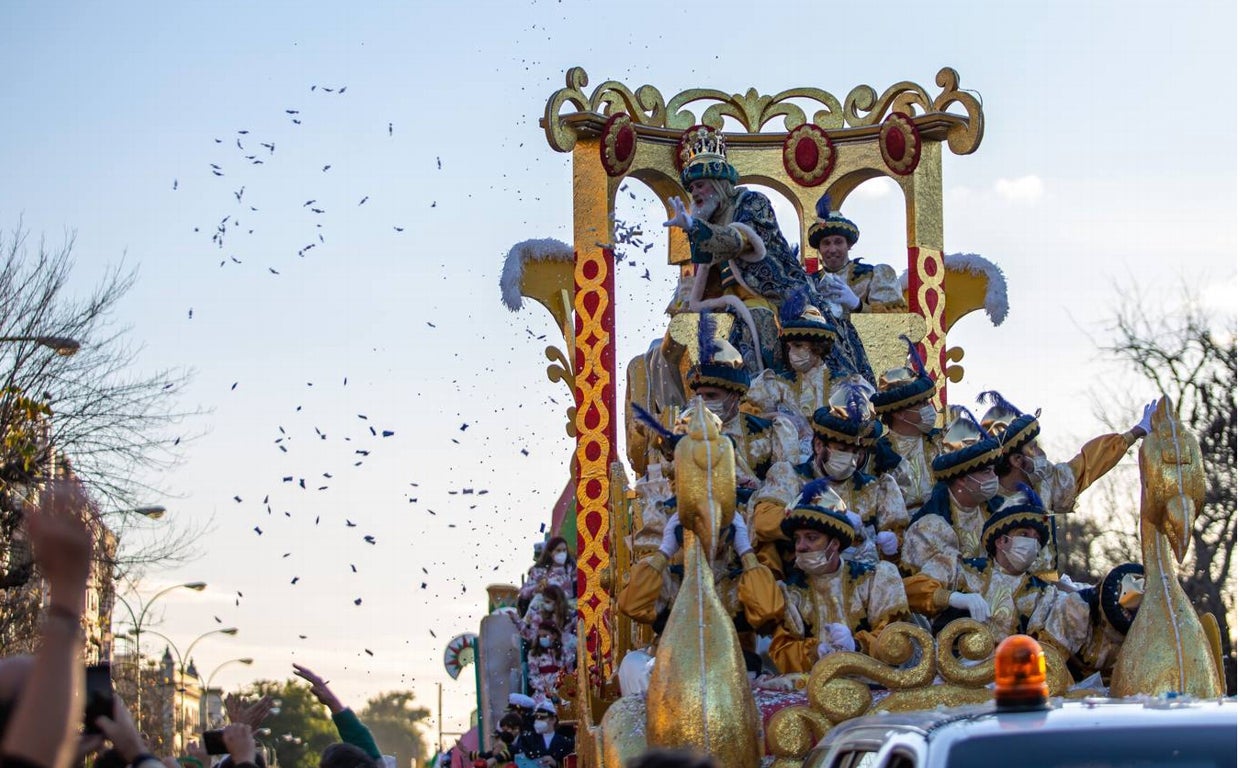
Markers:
<point>857,126</point>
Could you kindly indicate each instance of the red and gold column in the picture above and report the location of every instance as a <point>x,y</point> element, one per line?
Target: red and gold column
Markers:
<point>594,386</point>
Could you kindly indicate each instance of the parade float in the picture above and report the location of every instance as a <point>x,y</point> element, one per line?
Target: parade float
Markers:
<point>800,143</point>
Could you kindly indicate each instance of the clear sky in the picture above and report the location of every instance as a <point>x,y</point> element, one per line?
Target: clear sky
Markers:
<point>1109,158</point>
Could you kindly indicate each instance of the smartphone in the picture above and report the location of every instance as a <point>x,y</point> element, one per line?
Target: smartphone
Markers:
<point>99,699</point>
<point>213,743</point>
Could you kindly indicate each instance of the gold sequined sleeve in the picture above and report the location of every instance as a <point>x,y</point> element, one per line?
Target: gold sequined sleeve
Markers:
<point>883,293</point>
<point>639,598</point>
<point>925,595</point>
<point>759,595</point>
<point>931,547</point>
<point>886,601</point>
<point>792,653</point>
<point>1060,619</point>
<point>1096,458</point>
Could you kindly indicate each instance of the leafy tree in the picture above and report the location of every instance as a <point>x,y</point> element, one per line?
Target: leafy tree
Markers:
<point>1189,356</point>
<point>90,408</point>
<point>397,726</point>
<point>302,728</point>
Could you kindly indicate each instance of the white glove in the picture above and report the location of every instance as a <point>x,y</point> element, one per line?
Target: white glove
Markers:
<point>976,605</point>
<point>841,637</point>
<point>740,539</point>
<point>855,519</point>
<point>680,217</point>
<point>1066,584</point>
<point>1147,416</point>
<point>887,542</point>
<point>838,291</point>
<point>669,545</point>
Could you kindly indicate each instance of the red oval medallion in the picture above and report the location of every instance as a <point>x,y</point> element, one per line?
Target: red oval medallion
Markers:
<point>807,155</point>
<point>626,139</point>
<point>896,145</point>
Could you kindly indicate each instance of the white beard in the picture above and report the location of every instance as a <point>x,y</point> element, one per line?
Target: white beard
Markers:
<point>708,208</point>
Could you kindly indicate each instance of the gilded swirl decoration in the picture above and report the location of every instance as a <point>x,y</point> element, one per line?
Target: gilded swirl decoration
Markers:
<point>862,107</point>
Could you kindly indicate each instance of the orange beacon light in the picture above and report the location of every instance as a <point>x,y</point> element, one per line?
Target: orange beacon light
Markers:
<point>1020,674</point>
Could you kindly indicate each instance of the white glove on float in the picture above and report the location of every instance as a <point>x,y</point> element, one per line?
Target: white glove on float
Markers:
<point>976,605</point>
<point>669,544</point>
<point>1147,416</point>
<point>840,292</point>
<point>841,637</point>
<point>680,217</point>
<point>1066,584</point>
<point>887,542</point>
<point>740,539</point>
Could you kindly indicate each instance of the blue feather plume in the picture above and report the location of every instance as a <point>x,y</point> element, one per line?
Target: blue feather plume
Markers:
<point>823,206</point>
<point>812,490</point>
<point>1031,496</point>
<point>856,402</point>
<point>707,344</point>
<point>650,421</point>
<point>792,307</point>
<point>962,411</point>
<point>914,355</point>
<point>994,398</point>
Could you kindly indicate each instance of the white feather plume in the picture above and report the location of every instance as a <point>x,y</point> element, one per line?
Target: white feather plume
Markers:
<point>539,249</point>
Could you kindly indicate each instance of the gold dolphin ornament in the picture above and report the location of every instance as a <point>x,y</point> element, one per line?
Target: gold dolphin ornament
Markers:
<point>1167,650</point>
<point>699,696</point>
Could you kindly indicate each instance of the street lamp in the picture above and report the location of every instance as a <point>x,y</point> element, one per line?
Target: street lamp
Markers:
<point>61,345</point>
<point>178,680</point>
<point>153,512</point>
<point>136,621</point>
<point>206,688</point>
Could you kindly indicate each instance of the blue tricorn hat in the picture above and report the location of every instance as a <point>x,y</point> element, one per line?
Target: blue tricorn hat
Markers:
<point>831,223</point>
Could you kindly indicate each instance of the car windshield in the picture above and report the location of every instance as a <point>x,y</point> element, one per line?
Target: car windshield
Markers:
<point>1184,746</point>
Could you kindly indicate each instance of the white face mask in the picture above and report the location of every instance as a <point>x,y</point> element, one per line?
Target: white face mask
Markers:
<point>813,563</point>
<point>1021,551</point>
<point>542,726</point>
<point>1040,472</point>
<point>840,465</point>
<point>723,407</point>
<point>802,359</point>
<point>560,558</point>
<point>988,488</point>
<point>925,418</point>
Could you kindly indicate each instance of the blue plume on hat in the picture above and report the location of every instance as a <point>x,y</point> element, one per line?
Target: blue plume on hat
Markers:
<point>792,307</point>
<point>914,355</point>
<point>812,490</point>
<point>973,419</point>
<point>994,398</point>
<point>856,402</point>
<point>649,420</point>
<point>707,345</point>
<point>1031,496</point>
<point>823,206</point>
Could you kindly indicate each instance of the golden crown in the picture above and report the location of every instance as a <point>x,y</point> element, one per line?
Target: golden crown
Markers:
<point>703,146</point>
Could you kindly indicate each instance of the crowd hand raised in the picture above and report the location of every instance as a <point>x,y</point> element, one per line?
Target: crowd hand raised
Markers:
<point>239,739</point>
<point>121,731</point>
<point>319,689</point>
<point>1147,416</point>
<point>252,715</point>
<point>887,542</point>
<point>740,539</point>
<point>61,541</point>
<point>680,216</point>
<point>195,750</point>
<point>976,605</point>
<point>669,546</point>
